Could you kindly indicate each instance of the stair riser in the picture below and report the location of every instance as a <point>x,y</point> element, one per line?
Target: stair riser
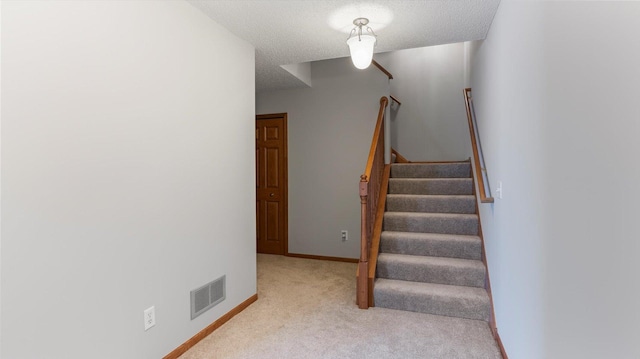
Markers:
<point>434,248</point>
<point>449,204</point>
<point>430,252</point>
<point>448,170</point>
<point>467,225</point>
<point>431,186</point>
<point>431,273</point>
<point>451,307</point>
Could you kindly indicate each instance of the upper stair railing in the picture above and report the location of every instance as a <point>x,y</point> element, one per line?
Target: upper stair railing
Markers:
<point>381,68</point>
<point>398,157</point>
<point>478,157</point>
<point>369,186</point>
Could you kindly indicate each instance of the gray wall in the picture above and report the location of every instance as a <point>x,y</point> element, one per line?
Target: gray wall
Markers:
<point>118,190</point>
<point>330,128</point>
<point>431,124</point>
<point>555,88</point>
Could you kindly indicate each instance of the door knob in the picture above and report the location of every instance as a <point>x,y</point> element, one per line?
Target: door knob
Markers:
<point>272,194</point>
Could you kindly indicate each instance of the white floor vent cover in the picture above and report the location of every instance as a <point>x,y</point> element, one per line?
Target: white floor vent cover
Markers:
<point>207,296</point>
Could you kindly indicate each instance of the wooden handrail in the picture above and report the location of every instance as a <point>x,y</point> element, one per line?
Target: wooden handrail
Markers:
<point>381,68</point>
<point>376,136</point>
<point>395,99</point>
<point>399,158</point>
<point>475,145</point>
<point>369,188</point>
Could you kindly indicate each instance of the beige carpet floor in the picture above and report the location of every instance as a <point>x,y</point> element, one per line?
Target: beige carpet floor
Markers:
<point>306,309</point>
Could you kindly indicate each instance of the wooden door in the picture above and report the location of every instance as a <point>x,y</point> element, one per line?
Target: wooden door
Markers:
<point>271,183</point>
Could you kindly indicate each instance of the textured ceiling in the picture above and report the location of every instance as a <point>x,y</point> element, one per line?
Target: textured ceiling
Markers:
<point>290,32</point>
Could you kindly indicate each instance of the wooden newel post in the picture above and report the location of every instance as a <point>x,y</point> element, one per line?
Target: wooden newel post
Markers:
<point>363,265</point>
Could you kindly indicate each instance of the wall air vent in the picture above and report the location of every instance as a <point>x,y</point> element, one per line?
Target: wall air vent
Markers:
<point>207,296</point>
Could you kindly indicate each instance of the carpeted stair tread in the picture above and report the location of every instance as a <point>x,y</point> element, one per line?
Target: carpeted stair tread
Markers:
<point>446,223</point>
<point>431,170</point>
<point>438,299</point>
<point>430,253</point>
<point>441,270</point>
<point>431,186</point>
<point>431,203</point>
<point>431,244</point>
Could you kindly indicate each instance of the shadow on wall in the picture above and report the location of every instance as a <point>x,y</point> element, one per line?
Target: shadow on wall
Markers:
<point>394,108</point>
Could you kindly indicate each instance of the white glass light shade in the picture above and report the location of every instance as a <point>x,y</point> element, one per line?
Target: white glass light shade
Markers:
<point>361,49</point>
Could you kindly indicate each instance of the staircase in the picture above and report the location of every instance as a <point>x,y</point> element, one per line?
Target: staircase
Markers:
<point>430,256</point>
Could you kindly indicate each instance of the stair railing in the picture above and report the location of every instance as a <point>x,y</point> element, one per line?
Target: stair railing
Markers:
<point>478,157</point>
<point>399,158</point>
<point>369,192</point>
<point>381,68</point>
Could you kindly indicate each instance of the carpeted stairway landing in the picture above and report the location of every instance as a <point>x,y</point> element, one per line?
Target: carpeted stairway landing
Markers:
<point>430,252</point>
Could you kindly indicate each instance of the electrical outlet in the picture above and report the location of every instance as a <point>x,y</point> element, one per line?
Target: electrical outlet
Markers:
<point>345,235</point>
<point>149,317</point>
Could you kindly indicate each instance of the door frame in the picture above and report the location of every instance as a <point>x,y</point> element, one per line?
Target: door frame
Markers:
<point>285,180</point>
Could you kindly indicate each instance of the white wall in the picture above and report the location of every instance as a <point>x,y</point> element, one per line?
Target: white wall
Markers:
<point>555,89</point>
<point>330,128</point>
<point>118,190</point>
<point>302,71</point>
<point>0,183</point>
<point>431,123</point>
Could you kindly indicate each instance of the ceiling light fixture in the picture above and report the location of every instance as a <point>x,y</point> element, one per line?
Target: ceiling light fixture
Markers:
<point>361,45</point>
